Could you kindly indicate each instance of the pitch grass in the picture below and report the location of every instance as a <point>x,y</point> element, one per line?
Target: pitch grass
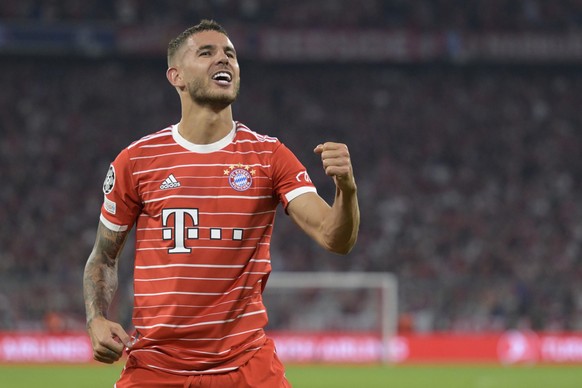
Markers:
<point>326,376</point>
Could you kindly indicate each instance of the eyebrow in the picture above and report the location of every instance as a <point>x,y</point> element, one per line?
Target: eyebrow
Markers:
<point>212,47</point>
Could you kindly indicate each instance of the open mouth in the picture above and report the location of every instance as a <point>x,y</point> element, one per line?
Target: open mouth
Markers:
<point>222,78</point>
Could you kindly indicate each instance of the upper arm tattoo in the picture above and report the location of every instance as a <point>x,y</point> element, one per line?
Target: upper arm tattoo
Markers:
<point>100,276</point>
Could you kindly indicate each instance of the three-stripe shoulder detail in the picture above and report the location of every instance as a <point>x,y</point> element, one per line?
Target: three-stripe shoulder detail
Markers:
<point>261,138</point>
<point>160,134</point>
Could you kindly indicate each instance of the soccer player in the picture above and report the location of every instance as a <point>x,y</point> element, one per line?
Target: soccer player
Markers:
<point>203,195</point>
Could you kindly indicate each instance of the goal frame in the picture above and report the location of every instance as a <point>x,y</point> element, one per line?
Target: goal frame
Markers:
<point>385,281</point>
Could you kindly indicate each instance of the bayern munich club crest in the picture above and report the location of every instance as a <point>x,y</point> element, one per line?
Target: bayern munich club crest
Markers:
<point>240,176</point>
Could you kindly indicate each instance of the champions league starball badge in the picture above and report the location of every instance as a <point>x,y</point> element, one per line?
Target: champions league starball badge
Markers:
<point>240,177</point>
<point>109,180</point>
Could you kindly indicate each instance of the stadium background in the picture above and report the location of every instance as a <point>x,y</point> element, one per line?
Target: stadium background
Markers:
<point>462,117</point>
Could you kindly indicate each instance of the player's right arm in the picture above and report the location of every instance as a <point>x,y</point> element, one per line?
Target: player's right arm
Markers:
<point>99,286</point>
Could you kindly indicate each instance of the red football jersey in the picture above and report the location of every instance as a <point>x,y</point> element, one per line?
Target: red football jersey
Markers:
<point>204,217</point>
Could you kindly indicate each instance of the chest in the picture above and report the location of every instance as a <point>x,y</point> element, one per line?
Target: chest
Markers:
<point>222,182</point>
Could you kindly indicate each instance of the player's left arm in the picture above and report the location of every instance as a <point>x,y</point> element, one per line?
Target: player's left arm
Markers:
<point>334,227</point>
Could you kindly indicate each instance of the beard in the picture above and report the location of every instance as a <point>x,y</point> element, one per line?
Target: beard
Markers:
<point>202,95</point>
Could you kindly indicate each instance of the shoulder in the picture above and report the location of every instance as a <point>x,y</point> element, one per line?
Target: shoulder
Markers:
<point>157,138</point>
<point>146,147</point>
<point>245,133</point>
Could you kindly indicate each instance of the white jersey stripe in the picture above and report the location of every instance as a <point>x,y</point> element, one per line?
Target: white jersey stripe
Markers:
<point>209,197</point>
<point>193,351</point>
<point>195,165</point>
<point>198,247</point>
<point>251,228</point>
<point>200,239</point>
<point>253,141</point>
<point>208,371</point>
<point>195,293</point>
<point>189,266</point>
<point>197,278</point>
<point>159,155</point>
<point>157,145</point>
<point>181,278</point>
<point>258,188</point>
<point>219,322</point>
<point>194,306</point>
<point>205,339</point>
<point>165,132</point>
<point>188,152</point>
<point>185,316</point>
<point>260,138</point>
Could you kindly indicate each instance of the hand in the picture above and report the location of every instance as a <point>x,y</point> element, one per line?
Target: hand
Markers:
<point>337,164</point>
<point>108,339</point>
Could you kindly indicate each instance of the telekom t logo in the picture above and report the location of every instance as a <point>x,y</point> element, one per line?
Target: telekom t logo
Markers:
<point>181,231</point>
<point>186,227</point>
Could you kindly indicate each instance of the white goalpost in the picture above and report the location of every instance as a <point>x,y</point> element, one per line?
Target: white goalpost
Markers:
<point>346,311</point>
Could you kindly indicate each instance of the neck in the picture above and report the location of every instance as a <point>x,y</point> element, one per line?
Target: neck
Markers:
<point>202,125</point>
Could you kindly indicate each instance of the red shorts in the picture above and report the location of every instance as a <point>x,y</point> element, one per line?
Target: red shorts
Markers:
<point>264,370</point>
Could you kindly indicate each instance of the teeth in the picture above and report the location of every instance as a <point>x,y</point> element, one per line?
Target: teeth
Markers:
<point>222,75</point>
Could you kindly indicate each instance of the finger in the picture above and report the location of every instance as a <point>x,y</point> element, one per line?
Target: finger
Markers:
<point>327,146</point>
<point>106,355</point>
<point>335,150</point>
<point>331,169</point>
<point>109,346</point>
<point>337,171</point>
<point>107,351</point>
<point>339,161</point>
<point>108,340</point>
<point>122,335</point>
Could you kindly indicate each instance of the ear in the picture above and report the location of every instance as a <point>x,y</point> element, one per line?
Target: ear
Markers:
<point>174,77</point>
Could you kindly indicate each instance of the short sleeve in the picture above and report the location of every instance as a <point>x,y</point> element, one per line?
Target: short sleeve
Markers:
<point>121,203</point>
<point>290,177</point>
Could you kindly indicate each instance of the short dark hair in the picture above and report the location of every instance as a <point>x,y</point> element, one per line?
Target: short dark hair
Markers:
<point>204,25</point>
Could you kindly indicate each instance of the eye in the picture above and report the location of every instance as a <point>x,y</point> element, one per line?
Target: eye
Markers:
<point>205,53</point>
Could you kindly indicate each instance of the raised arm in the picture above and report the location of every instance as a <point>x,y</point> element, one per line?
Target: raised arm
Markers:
<point>334,227</point>
<point>99,286</point>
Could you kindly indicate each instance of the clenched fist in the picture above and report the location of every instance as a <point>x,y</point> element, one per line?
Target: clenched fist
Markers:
<point>337,164</point>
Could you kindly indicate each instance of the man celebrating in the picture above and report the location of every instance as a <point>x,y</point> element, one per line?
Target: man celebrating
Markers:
<point>203,195</point>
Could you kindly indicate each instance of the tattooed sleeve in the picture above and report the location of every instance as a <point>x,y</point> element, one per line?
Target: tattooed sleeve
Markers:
<point>100,277</point>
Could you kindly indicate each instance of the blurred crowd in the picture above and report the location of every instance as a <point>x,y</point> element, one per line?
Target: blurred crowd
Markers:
<point>472,15</point>
<point>466,174</point>
<point>467,180</point>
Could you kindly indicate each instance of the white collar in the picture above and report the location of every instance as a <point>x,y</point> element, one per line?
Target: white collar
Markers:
<point>203,148</point>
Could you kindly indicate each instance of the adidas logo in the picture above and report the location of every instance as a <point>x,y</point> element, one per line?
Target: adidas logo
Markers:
<point>170,183</point>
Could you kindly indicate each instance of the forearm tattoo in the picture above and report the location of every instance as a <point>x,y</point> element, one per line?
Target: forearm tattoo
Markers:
<point>100,277</point>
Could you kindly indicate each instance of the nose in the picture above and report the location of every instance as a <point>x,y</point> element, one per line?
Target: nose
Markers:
<point>223,58</point>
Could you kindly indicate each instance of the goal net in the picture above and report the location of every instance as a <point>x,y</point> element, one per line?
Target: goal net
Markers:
<point>332,316</point>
